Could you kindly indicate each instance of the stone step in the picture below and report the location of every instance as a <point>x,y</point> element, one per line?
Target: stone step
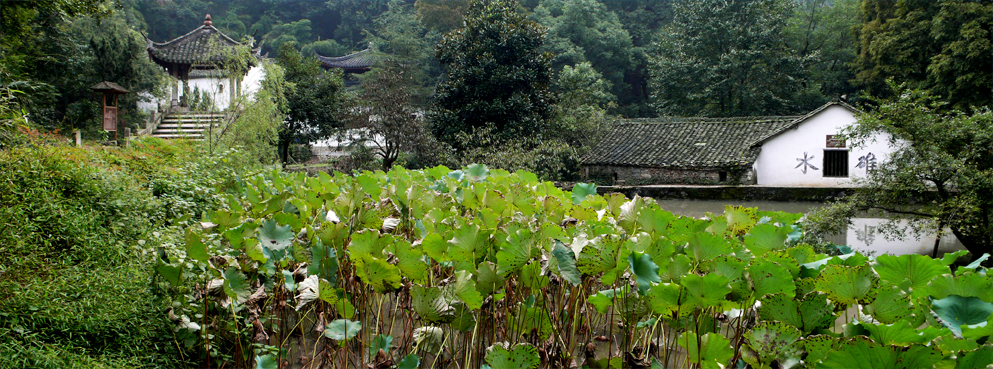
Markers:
<point>185,125</point>
<point>167,136</point>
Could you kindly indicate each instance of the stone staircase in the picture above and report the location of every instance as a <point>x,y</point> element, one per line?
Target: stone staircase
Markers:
<point>189,125</point>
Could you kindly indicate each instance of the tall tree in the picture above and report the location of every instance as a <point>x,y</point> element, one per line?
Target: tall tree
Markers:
<point>442,15</point>
<point>586,31</point>
<point>822,30</point>
<point>314,101</point>
<point>726,58</point>
<point>943,46</point>
<point>389,116</point>
<point>497,75</point>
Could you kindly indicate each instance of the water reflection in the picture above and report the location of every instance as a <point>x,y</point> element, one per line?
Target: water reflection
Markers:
<point>862,235</point>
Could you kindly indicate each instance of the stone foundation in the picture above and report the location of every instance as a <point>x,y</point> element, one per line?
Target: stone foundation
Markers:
<point>628,175</point>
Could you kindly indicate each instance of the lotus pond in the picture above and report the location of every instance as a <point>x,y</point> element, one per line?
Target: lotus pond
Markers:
<point>479,268</point>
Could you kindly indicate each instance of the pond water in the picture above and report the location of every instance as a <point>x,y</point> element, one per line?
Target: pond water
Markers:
<point>861,235</point>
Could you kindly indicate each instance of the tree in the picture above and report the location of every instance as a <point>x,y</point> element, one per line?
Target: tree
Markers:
<point>585,31</point>
<point>726,58</point>
<point>496,75</point>
<point>822,30</point>
<point>314,101</point>
<point>943,47</point>
<point>580,115</point>
<point>442,15</point>
<point>940,173</point>
<point>399,37</point>
<point>391,121</point>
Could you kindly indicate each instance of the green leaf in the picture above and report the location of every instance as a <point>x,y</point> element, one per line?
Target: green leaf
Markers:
<point>195,248</point>
<point>567,264</point>
<point>464,289</point>
<point>378,273</point>
<point>487,279</point>
<point>370,185</point>
<point>380,342</point>
<point>532,278</point>
<point>811,313</point>
<point>710,351</point>
<point>430,305</point>
<point>705,291</point>
<point>653,219</point>
<point>910,272</point>
<point>968,284</point>
<point>468,244</point>
<point>274,236</point>
<point>582,190</point>
<point>766,237</point>
<point>890,305</point>
<point>435,247</point>
<point>266,362</point>
<point>772,342</point>
<point>602,300</point>
<point>979,358</point>
<point>847,285</point>
<point>705,246</point>
<point>236,285</point>
<point>342,329</point>
<point>900,333</point>
<point>515,251</point>
<point>172,274</point>
<point>817,347</point>
<point>955,311</point>
<point>477,172</point>
<point>644,270</point>
<point>599,255</point>
<point>769,277</point>
<point>521,356</point>
<point>411,361</point>
<point>664,298</point>
<point>860,352</point>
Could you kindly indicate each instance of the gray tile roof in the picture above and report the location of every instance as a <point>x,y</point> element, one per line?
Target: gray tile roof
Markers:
<point>203,47</point>
<point>685,142</point>
<point>799,120</point>
<point>358,60</point>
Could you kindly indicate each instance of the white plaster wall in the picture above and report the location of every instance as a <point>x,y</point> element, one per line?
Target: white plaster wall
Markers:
<point>777,161</point>
<point>250,84</point>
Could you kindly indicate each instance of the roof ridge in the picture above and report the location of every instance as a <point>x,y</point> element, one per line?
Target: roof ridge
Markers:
<point>344,57</point>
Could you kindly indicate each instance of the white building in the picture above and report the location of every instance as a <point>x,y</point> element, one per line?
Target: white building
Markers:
<point>781,151</point>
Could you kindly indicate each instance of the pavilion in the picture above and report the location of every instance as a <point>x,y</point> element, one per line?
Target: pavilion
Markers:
<point>205,48</point>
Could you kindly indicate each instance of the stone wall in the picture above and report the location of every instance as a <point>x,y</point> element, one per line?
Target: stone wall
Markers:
<point>631,175</point>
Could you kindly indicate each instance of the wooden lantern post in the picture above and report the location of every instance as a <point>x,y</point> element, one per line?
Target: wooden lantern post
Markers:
<point>109,112</point>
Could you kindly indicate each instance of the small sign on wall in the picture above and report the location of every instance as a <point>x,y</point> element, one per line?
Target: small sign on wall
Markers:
<point>835,141</point>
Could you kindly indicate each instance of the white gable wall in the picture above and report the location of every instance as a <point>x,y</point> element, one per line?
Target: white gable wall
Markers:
<point>211,86</point>
<point>777,164</point>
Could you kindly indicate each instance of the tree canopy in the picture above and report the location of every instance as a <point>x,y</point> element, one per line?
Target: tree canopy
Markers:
<point>497,75</point>
<point>314,101</point>
<point>727,58</point>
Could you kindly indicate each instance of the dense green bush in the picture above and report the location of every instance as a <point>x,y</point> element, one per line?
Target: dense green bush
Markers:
<point>75,273</point>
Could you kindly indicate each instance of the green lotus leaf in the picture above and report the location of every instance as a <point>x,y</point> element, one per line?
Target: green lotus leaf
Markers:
<point>254,250</point>
<point>378,273</point>
<point>949,344</point>
<point>289,220</point>
<point>429,303</point>
<point>709,351</point>
<point>380,342</point>
<point>890,305</point>
<point>734,269</point>
<point>411,361</point>
<point>195,248</point>
<point>910,272</point>
<point>342,329</point>
<point>861,352</point>
<point>521,356</point>
<point>464,289</point>
<point>653,219</point>
<point>968,285</point>
<point>706,291</point>
<point>567,264</point>
<point>174,275</point>
<point>468,243</point>
<point>266,362</point>
<point>740,219</point>
<point>705,246</point>
<point>847,285</point>
<point>274,236</point>
<point>532,278</point>
<point>410,261</point>
<point>487,278</point>
<point>766,237</point>
<point>237,235</point>
<point>645,271</point>
<point>772,343</point>
<point>600,255</point>
<point>768,277</point>
<point>236,285</point>
<point>516,250</point>
<point>602,300</point>
<point>534,319</point>
<point>664,298</point>
<point>435,247</point>
<point>811,313</point>
<point>327,292</point>
<point>900,333</point>
<point>323,261</point>
<point>581,191</point>
<point>817,347</point>
<point>477,172</point>
<point>955,311</point>
<point>979,358</point>
<point>370,185</point>
<point>677,269</point>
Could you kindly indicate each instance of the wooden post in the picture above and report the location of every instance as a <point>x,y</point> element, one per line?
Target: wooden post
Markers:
<point>79,138</point>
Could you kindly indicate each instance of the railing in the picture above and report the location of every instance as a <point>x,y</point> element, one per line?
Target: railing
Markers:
<point>152,123</point>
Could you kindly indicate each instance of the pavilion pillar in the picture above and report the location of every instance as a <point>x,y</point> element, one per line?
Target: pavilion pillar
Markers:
<point>186,88</point>
<point>175,87</point>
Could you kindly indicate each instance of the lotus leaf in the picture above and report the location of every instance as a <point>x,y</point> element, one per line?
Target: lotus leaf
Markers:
<point>521,356</point>
<point>342,329</point>
<point>710,351</point>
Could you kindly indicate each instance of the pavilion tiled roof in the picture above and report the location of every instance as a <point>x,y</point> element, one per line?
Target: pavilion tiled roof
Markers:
<point>685,142</point>
<point>203,47</point>
<point>358,60</point>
